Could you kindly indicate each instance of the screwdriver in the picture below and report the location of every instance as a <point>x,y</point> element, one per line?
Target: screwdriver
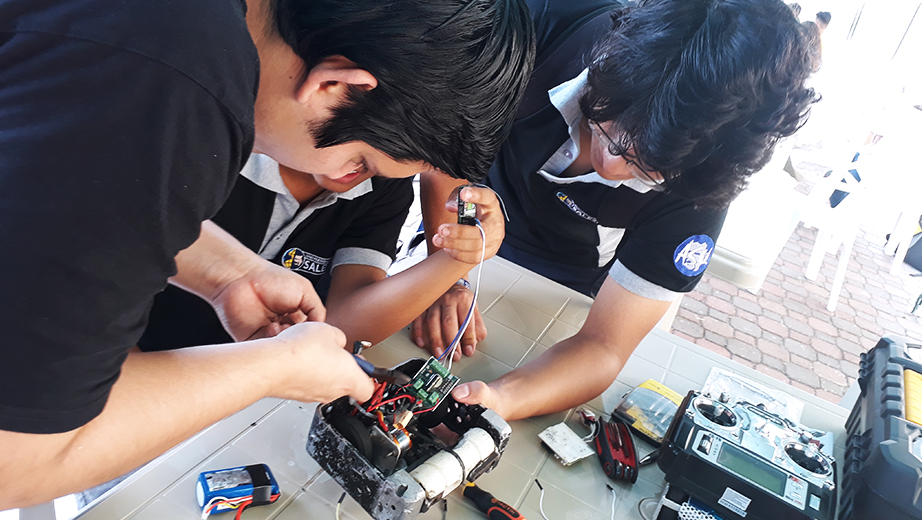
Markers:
<point>494,509</point>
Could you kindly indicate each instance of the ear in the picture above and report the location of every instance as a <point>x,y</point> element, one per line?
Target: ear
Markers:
<point>327,83</point>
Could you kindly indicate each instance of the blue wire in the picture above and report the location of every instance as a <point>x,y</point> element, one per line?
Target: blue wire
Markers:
<point>470,312</point>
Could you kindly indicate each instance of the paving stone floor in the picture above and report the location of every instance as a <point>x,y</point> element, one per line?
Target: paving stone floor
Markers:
<point>785,330</point>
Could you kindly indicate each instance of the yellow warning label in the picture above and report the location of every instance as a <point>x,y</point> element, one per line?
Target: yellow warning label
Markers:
<point>665,391</point>
<point>912,381</point>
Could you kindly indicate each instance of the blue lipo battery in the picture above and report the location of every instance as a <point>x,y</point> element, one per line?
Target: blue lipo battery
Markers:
<point>224,489</point>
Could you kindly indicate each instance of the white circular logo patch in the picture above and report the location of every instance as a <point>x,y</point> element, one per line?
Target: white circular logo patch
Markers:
<point>692,256</point>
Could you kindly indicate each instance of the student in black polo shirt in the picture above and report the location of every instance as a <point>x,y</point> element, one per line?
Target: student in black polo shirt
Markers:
<point>339,234</point>
<point>123,127</point>
<point>639,126</point>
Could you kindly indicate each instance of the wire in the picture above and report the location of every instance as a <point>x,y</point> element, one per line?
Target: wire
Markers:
<point>391,400</point>
<point>242,507</point>
<point>541,500</point>
<point>339,504</point>
<point>427,410</point>
<point>206,509</point>
<point>229,503</point>
<point>381,420</point>
<point>614,497</point>
<point>379,392</point>
<point>470,313</point>
<point>502,204</point>
<point>592,434</point>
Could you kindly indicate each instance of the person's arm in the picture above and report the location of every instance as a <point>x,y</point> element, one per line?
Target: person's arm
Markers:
<point>576,369</point>
<point>253,297</point>
<point>435,327</point>
<point>369,306</point>
<point>161,398</point>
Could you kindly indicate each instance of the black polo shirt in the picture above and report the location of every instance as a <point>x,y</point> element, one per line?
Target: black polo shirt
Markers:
<point>360,226</point>
<point>652,243</point>
<point>122,127</point>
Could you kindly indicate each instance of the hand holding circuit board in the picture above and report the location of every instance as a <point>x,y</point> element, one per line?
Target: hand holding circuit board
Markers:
<point>390,453</point>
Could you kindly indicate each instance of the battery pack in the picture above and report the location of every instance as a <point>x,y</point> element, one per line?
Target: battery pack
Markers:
<point>226,489</point>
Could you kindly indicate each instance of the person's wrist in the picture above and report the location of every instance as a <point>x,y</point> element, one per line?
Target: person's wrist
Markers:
<point>226,262</point>
<point>231,281</point>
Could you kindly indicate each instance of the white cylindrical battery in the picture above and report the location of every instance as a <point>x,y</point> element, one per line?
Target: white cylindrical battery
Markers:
<point>475,446</point>
<point>443,472</point>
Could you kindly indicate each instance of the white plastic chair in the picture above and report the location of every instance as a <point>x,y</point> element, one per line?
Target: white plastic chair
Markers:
<point>758,225</point>
<point>835,226</point>
<point>903,231</point>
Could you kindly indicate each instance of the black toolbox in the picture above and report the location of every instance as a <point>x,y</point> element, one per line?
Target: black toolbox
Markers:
<point>882,471</point>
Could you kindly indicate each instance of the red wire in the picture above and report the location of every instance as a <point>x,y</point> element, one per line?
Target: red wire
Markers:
<point>242,505</point>
<point>377,395</point>
<point>381,420</point>
<point>241,508</point>
<point>424,411</point>
<point>391,400</point>
<point>229,503</point>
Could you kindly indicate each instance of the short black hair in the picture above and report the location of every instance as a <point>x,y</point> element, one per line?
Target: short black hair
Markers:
<point>824,16</point>
<point>450,74</point>
<point>702,89</point>
<point>795,7</point>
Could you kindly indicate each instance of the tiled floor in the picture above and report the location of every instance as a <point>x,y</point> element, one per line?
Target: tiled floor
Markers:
<point>534,310</point>
<point>785,330</point>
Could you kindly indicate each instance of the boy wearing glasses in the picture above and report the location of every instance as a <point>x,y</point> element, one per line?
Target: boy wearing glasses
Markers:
<point>617,176</point>
<point>124,127</point>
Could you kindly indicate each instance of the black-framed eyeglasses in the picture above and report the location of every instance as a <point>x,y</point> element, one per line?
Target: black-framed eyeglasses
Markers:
<point>612,147</point>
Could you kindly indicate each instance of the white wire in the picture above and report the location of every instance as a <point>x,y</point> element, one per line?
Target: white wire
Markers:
<point>339,504</point>
<point>541,501</point>
<point>592,434</point>
<point>502,204</point>
<point>470,313</point>
<point>206,510</point>
<point>614,497</point>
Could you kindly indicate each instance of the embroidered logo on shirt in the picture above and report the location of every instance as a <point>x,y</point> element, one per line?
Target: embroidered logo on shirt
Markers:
<point>298,260</point>
<point>574,208</point>
<point>693,255</point>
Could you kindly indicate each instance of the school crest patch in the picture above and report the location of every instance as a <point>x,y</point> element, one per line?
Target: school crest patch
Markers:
<point>563,197</point>
<point>300,260</point>
<point>692,256</point>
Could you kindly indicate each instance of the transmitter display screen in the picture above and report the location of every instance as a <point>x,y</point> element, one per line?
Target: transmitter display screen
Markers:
<point>752,469</point>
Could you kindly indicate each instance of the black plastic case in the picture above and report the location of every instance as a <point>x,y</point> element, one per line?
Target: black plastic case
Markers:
<point>882,472</point>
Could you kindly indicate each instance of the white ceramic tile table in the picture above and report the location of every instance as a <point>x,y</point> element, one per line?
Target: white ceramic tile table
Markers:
<point>526,314</point>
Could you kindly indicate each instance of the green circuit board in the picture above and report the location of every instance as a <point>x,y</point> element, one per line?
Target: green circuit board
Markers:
<point>431,384</point>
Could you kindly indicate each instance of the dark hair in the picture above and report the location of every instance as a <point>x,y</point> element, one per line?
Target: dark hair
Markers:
<point>795,8</point>
<point>824,16</point>
<point>702,89</point>
<point>450,74</point>
<point>814,43</point>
